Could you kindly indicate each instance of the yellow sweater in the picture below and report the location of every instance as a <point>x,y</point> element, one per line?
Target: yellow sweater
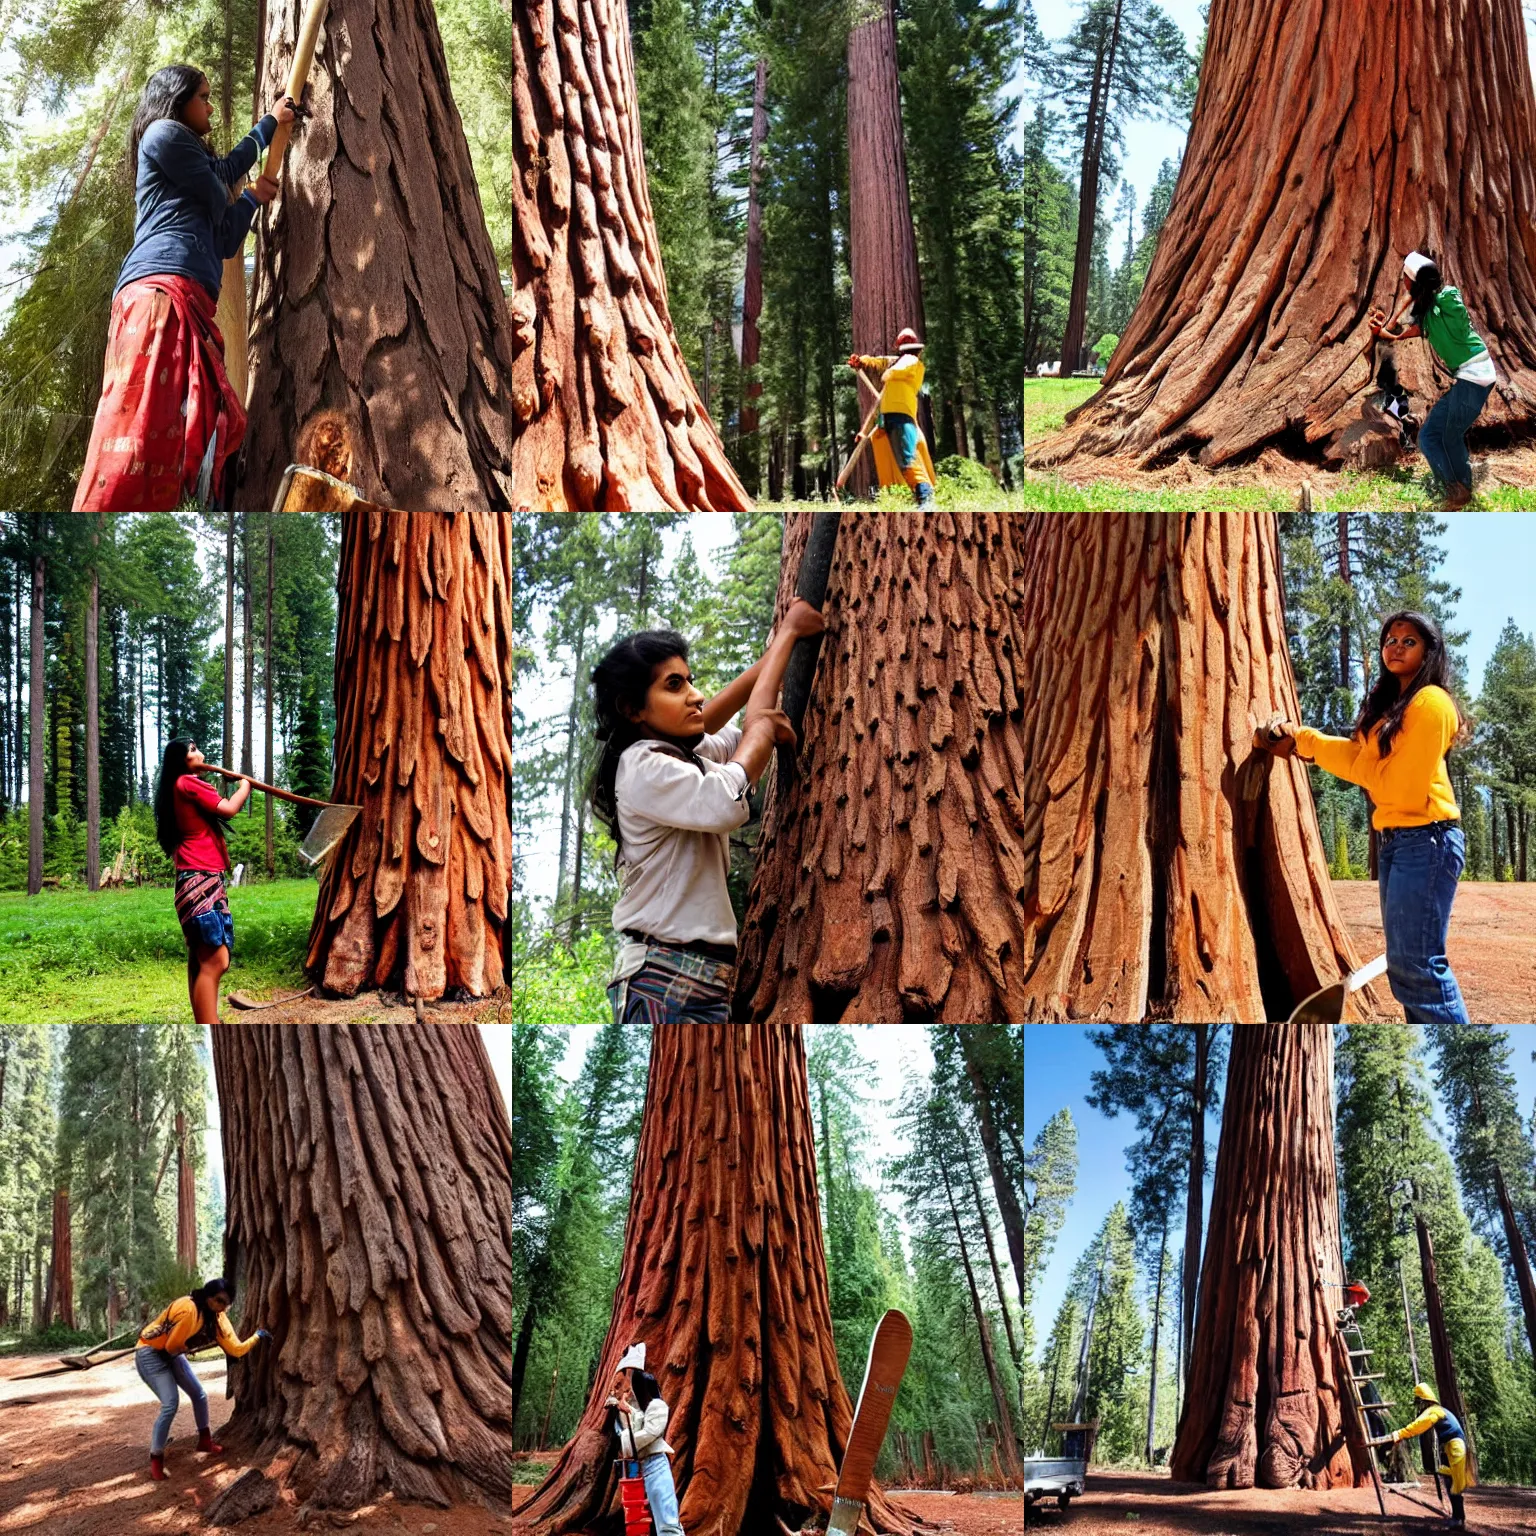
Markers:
<point>1410,786</point>
<point>902,382</point>
<point>179,1323</point>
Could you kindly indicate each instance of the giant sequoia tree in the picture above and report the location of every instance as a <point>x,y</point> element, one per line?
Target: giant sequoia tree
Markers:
<point>1327,142</point>
<point>1265,1402</point>
<point>607,416</point>
<point>1116,850</point>
<point>369,1228</point>
<point>725,1280</point>
<point>381,349</point>
<point>417,893</point>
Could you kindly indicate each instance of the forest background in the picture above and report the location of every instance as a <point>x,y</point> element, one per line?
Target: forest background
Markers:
<point>583,582</point>
<point>91,1109</point>
<point>889,1103</point>
<point>1109,1178</point>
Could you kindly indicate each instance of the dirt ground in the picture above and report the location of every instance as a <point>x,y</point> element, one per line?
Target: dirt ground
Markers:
<point>367,1008</point>
<point>1153,1505</point>
<point>1492,946</point>
<point>958,1513</point>
<point>74,1461</point>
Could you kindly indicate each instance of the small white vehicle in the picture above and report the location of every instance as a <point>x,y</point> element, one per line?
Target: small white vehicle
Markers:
<point>1058,1477</point>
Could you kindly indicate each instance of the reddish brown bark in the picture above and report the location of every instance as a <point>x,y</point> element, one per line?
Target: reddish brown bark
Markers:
<point>417,893</point>
<point>608,418</point>
<point>752,289</point>
<point>1439,1341</point>
<point>1264,1403</point>
<point>725,1281</point>
<point>61,1272</point>
<point>381,348</point>
<point>1519,1260</point>
<point>186,1199</point>
<point>1327,141</point>
<point>369,1229</point>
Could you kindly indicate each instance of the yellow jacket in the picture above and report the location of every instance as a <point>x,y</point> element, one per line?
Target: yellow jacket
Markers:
<point>180,1322</point>
<point>1410,786</point>
<point>902,382</point>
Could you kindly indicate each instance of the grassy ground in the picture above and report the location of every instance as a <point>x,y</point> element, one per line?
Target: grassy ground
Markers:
<point>117,957</point>
<point>1408,488</point>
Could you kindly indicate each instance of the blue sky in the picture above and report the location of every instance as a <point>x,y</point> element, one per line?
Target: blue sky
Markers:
<point>1490,556</point>
<point>1058,1061</point>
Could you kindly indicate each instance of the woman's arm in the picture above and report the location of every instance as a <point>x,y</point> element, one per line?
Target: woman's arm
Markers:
<point>230,804</point>
<point>721,710</point>
<point>801,620</point>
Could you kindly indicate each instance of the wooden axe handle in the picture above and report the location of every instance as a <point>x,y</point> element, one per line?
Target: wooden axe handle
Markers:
<point>298,76</point>
<point>271,789</point>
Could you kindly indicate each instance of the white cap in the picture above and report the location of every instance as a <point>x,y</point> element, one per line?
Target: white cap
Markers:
<point>1413,261</point>
<point>634,1359</point>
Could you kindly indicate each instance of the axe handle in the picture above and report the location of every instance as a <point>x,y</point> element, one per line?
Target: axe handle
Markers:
<point>271,789</point>
<point>298,76</point>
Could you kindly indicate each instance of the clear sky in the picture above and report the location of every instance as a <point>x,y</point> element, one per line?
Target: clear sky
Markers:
<point>1490,556</point>
<point>1058,1062</point>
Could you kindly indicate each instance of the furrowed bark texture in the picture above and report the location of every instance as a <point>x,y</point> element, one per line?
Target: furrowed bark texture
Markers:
<point>61,1280</point>
<point>889,879</point>
<point>381,347</point>
<point>186,1199</point>
<point>725,1281</point>
<point>1328,140</point>
<point>370,1225</point>
<point>417,892</point>
<point>1264,1403</point>
<point>607,416</point>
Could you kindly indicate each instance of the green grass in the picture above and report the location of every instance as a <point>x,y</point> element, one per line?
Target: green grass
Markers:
<point>1047,401</point>
<point>117,957</point>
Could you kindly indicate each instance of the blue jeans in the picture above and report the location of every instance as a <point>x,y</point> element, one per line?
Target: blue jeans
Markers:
<point>162,1374</point>
<point>1442,438</point>
<point>660,1494</point>
<point>1417,869</point>
<point>901,432</point>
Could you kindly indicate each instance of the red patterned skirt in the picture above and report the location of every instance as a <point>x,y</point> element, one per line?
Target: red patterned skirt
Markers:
<point>164,393</point>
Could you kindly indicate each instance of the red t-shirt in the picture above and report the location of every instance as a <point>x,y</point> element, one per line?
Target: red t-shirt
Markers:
<point>201,846</point>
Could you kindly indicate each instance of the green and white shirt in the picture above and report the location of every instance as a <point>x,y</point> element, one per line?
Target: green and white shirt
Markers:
<point>1449,331</point>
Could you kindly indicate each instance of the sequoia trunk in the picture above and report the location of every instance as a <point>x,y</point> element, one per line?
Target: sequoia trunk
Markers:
<point>1327,142</point>
<point>186,1199</point>
<point>725,1281</point>
<point>1194,1200</point>
<point>61,1270</point>
<point>369,1228</point>
<point>1263,1403</point>
<point>416,895</point>
<point>608,418</point>
<point>381,348</point>
<point>1519,1260</point>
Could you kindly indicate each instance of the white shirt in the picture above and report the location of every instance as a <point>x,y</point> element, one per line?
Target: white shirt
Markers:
<point>675,825</point>
<point>641,1434</point>
<point>1478,369</point>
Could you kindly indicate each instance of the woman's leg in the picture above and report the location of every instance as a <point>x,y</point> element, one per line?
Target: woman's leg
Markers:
<point>1464,404</point>
<point>212,962</point>
<point>155,1372</point>
<point>186,1379</point>
<point>1420,867</point>
<point>661,1494</point>
<point>1432,438</point>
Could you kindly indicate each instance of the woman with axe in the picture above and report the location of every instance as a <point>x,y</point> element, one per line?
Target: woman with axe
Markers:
<point>1439,316</point>
<point>165,397</point>
<point>1408,723</point>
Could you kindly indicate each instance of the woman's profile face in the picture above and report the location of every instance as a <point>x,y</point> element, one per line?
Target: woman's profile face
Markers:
<point>197,114</point>
<point>673,706</point>
<point>1403,651</point>
<point>195,759</point>
<point>219,1303</point>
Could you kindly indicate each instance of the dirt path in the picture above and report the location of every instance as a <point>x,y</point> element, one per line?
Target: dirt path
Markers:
<point>1153,1505</point>
<point>74,1461</point>
<point>1492,946</point>
<point>367,1008</point>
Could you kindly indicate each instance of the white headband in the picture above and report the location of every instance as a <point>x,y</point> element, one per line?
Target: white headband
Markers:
<point>1413,261</point>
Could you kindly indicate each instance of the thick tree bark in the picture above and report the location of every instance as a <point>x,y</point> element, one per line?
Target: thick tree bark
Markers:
<point>1007,1195</point>
<point>186,1199</point>
<point>882,244</point>
<point>369,1227</point>
<point>752,289</point>
<point>725,1281</point>
<point>1439,1341</point>
<point>381,348</point>
<point>35,731</point>
<point>93,721</point>
<point>61,1266</point>
<point>1518,1258</point>
<point>1264,1403</point>
<point>1327,142</point>
<point>608,418</point>
<point>1194,1200</point>
<point>417,892</point>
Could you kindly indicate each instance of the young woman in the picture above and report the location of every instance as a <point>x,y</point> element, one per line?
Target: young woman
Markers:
<point>671,793</point>
<point>1440,317</point>
<point>641,1425</point>
<point>1408,723</point>
<point>164,393</point>
<point>188,816</point>
<point>189,1324</point>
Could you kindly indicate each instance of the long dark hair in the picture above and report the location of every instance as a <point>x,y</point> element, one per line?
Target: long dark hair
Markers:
<point>1426,285</point>
<point>647,1390</point>
<point>165,93</point>
<point>1388,700</point>
<point>167,832</point>
<point>624,677</point>
<point>208,1319</point>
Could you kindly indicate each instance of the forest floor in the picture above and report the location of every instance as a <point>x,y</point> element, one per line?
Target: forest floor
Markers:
<point>1154,1505</point>
<point>1492,946</point>
<point>1504,478</point>
<point>74,1461</point>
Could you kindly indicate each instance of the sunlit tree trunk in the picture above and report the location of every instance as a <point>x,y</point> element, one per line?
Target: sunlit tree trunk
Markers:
<point>186,1199</point>
<point>61,1270</point>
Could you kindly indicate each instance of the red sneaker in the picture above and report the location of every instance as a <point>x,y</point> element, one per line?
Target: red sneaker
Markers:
<point>157,1468</point>
<point>206,1442</point>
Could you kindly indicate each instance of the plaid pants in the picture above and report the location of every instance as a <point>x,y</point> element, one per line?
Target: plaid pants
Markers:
<point>673,986</point>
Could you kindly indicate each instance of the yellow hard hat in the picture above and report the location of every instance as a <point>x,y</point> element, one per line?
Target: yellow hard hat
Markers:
<point>1423,1393</point>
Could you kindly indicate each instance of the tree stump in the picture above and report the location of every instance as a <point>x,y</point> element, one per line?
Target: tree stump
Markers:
<point>252,1493</point>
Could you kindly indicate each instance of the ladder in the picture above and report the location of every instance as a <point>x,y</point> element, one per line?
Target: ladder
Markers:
<point>1360,1372</point>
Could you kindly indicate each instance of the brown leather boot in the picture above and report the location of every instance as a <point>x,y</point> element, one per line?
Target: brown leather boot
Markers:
<point>1457,496</point>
